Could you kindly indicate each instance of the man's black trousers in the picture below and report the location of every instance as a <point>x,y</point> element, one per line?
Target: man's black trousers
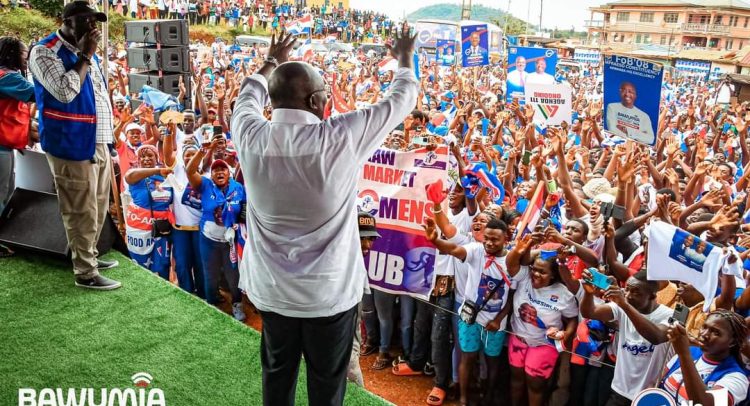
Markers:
<point>326,343</point>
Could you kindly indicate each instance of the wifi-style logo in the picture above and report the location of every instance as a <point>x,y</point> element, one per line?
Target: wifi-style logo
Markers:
<point>142,379</point>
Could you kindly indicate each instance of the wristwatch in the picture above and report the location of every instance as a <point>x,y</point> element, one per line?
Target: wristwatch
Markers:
<point>272,61</point>
<point>84,57</point>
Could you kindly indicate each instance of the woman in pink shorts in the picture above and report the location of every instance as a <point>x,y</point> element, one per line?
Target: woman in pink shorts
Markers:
<point>544,320</point>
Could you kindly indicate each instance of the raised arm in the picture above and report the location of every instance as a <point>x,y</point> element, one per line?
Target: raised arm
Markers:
<point>443,246</point>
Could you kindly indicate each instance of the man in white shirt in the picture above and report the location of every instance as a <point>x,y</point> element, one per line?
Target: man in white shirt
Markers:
<point>304,269</point>
<point>626,120</point>
<point>539,76</point>
<point>641,337</point>
<point>519,76</point>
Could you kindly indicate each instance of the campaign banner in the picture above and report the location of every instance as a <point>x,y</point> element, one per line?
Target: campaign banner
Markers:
<point>474,46</point>
<point>589,56</point>
<point>632,91</point>
<point>674,254</point>
<point>686,65</point>
<point>446,52</point>
<point>391,187</point>
<point>529,66</point>
<point>552,104</point>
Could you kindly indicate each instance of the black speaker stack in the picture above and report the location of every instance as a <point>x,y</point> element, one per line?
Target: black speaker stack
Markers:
<point>162,60</point>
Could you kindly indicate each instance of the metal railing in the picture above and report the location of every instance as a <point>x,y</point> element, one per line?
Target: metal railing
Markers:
<point>705,28</point>
<point>593,23</point>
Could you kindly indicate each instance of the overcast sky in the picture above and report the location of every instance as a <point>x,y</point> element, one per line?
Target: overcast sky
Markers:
<point>557,13</point>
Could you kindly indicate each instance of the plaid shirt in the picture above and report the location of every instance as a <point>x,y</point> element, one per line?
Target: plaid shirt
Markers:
<point>48,70</point>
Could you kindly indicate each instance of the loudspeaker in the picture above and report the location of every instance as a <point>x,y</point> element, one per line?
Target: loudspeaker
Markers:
<point>168,83</point>
<point>167,59</point>
<point>164,32</point>
<point>32,220</point>
<point>33,173</point>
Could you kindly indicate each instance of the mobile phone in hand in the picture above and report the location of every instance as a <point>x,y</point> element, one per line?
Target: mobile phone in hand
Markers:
<point>680,314</point>
<point>599,279</point>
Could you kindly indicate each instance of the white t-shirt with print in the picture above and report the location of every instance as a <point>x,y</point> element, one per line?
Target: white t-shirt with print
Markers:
<point>482,279</point>
<point>639,363</point>
<point>735,383</point>
<point>462,222</point>
<point>547,305</point>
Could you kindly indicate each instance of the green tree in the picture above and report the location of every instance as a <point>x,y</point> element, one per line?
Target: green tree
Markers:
<point>51,8</point>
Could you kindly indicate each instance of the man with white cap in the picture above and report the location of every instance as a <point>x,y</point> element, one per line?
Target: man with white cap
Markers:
<point>126,148</point>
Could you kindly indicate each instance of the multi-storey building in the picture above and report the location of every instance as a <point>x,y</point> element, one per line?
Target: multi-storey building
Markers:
<point>676,24</point>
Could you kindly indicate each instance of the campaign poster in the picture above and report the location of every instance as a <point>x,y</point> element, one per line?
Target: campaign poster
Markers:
<point>391,187</point>
<point>429,33</point>
<point>552,104</point>
<point>590,56</point>
<point>474,45</point>
<point>690,68</point>
<point>689,250</point>
<point>632,92</point>
<point>446,52</point>
<point>528,65</point>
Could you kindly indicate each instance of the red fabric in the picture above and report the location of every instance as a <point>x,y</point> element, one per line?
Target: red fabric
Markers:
<point>14,121</point>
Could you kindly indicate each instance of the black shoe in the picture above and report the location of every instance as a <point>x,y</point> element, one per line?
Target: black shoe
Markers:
<point>104,264</point>
<point>428,369</point>
<point>369,350</point>
<point>98,283</point>
<point>5,251</point>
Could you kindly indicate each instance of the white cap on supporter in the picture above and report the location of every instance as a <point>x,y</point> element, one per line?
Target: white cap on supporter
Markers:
<point>133,126</point>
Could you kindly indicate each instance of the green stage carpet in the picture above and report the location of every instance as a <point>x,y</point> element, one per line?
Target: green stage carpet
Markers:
<point>54,335</point>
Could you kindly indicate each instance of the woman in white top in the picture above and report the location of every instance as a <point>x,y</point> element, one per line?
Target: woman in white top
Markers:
<point>186,236</point>
<point>544,320</point>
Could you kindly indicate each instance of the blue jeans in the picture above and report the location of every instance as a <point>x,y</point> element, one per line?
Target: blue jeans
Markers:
<point>442,333</point>
<point>370,316</point>
<point>216,261</point>
<point>456,346</point>
<point>188,264</point>
<point>384,305</point>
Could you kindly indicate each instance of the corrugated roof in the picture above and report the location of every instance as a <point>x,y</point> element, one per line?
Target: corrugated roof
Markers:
<point>700,54</point>
<point>686,3</point>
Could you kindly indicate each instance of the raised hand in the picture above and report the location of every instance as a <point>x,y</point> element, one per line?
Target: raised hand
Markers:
<point>125,116</point>
<point>528,112</point>
<point>627,169</point>
<point>403,48</point>
<point>678,337</point>
<point>435,192</point>
<point>280,49</point>
<point>523,244</point>
<point>586,126</point>
<point>725,217</point>
<point>430,231</point>
<point>713,199</point>
<point>552,235</point>
<point>672,146</point>
<point>671,176</point>
<point>702,168</point>
<point>219,91</point>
